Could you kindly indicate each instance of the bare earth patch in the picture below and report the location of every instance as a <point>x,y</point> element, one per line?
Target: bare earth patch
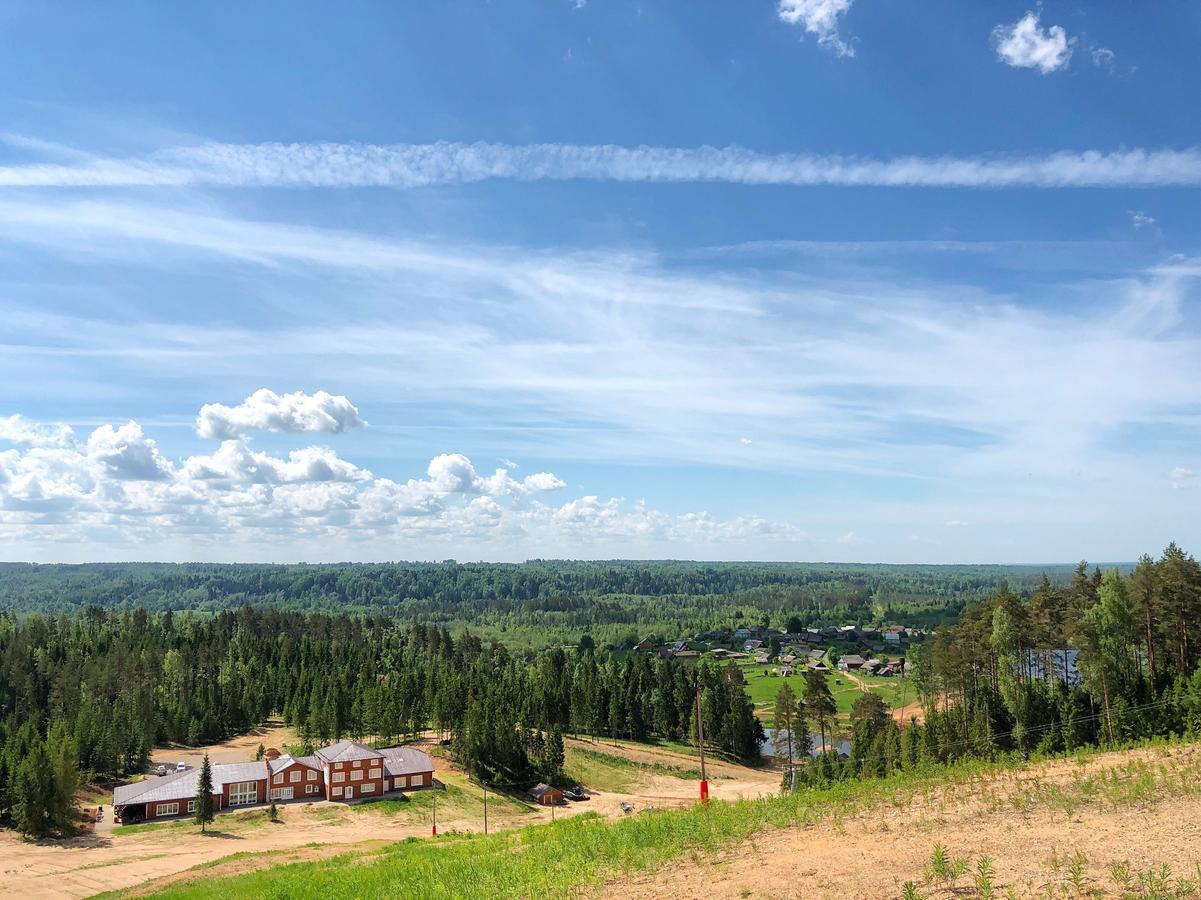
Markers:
<point>1027,822</point>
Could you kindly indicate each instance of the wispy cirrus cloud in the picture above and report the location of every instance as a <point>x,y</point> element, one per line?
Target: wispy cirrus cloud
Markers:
<point>330,165</point>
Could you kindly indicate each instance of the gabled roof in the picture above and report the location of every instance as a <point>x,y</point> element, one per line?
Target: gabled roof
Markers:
<point>184,785</point>
<point>540,790</point>
<point>280,763</point>
<point>406,761</point>
<point>347,750</point>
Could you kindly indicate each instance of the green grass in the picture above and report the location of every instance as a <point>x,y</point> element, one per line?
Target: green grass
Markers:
<point>607,771</point>
<point>762,688</point>
<point>223,823</point>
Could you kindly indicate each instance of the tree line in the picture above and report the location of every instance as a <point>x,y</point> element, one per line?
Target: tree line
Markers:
<point>1108,658</point>
<point>91,695</point>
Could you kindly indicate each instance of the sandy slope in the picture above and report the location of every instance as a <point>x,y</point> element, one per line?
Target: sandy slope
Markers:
<point>870,855</point>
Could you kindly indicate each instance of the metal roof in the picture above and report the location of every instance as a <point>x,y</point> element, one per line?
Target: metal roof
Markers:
<point>344,750</point>
<point>184,785</point>
<point>406,761</point>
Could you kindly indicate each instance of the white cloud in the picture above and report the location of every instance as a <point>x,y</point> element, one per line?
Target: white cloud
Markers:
<point>1180,476</point>
<point>265,410</point>
<point>119,491</point>
<point>1140,219</point>
<point>420,165</point>
<point>820,18</point>
<point>235,463</point>
<point>745,441</point>
<point>1027,45</point>
<point>127,454</point>
<point>1103,58</point>
<point>17,429</point>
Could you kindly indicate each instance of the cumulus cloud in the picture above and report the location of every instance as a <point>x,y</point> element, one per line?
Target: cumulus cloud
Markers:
<point>819,18</point>
<point>128,455</point>
<point>235,463</point>
<point>265,410</point>
<point>420,165</point>
<point>1027,45</point>
<point>1140,219</point>
<point>453,473</point>
<point>118,489</point>
<point>17,429</point>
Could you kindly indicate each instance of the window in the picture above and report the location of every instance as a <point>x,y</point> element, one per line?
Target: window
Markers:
<point>167,809</point>
<point>310,788</point>
<point>339,777</point>
<point>367,788</point>
<point>356,775</point>
<point>284,793</point>
<point>243,792</point>
<point>191,806</point>
<point>313,775</point>
<point>337,792</point>
<point>357,763</point>
<point>279,779</point>
<point>402,781</point>
<point>295,774</point>
<point>375,773</point>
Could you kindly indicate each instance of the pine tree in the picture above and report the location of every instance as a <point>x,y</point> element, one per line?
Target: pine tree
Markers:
<point>819,702</point>
<point>204,795</point>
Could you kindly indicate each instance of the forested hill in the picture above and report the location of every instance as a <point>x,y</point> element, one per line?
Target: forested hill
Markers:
<point>558,599</point>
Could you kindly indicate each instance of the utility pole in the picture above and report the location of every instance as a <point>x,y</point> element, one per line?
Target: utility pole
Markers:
<point>700,743</point>
<point>434,831</point>
<point>485,806</point>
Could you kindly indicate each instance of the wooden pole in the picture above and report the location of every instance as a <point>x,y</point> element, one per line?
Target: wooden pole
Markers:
<point>434,830</point>
<point>485,807</point>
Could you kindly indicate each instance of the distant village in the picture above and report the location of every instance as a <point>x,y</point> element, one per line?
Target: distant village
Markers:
<point>874,651</point>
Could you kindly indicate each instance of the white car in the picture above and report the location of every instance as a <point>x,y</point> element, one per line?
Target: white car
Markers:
<point>161,770</point>
<point>181,767</point>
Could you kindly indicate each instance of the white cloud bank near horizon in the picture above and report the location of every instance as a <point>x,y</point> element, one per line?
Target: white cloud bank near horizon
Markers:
<point>341,165</point>
<point>117,490</point>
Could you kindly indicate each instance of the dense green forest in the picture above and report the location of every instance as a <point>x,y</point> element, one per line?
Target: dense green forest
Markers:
<point>88,689</point>
<point>93,693</point>
<point>537,603</point>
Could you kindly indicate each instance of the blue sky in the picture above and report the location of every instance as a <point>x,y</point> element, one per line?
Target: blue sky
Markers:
<point>811,279</point>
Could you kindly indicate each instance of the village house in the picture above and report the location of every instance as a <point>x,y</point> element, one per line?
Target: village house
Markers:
<point>645,645</point>
<point>851,661</point>
<point>345,771</point>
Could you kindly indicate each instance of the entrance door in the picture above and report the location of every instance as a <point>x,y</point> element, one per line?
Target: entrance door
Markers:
<point>285,793</point>
<point>349,793</point>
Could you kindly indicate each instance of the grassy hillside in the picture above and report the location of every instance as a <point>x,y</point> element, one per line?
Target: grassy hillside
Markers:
<point>586,851</point>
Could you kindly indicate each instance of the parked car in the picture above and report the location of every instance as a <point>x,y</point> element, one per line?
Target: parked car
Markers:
<point>575,794</point>
<point>161,770</point>
<point>181,767</point>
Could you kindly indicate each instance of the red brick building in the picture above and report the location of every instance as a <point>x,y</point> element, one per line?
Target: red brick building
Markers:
<point>345,771</point>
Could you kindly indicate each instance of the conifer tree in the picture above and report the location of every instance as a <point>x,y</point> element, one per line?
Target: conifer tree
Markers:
<point>204,796</point>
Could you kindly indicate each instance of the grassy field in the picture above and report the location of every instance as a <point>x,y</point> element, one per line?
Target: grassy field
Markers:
<point>562,858</point>
<point>762,687</point>
<point>598,769</point>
